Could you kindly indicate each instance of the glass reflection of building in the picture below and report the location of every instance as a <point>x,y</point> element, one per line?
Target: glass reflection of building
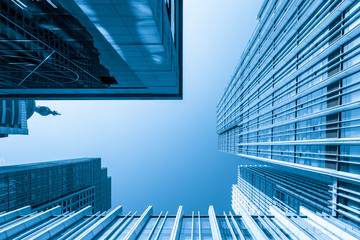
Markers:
<point>72,184</point>
<point>293,100</point>
<point>117,225</point>
<point>91,49</point>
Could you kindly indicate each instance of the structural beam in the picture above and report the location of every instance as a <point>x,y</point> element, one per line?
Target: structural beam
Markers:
<point>122,227</point>
<point>251,225</point>
<point>113,228</point>
<point>215,231</point>
<point>100,225</point>
<point>327,225</point>
<point>269,228</point>
<point>236,227</point>
<point>288,224</point>
<point>12,230</point>
<point>199,225</point>
<point>140,223</point>
<point>161,227</point>
<point>229,226</point>
<point>7,217</point>
<point>154,227</point>
<point>177,224</point>
<point>51,231</point>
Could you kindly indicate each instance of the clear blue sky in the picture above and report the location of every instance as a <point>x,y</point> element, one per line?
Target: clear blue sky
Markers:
<point>160,153</point>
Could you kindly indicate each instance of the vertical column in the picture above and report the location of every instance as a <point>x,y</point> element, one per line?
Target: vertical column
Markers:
<point>253,228</point>
<point>54,229</point>
<point>199,225</point>
<point>115,228</point>
<point>270,229</point>
<point>334,197</point>
<point>27,223</point>
<point>229,226</point>
<point>177,225</point>
<point>326,224</point>
<point>138,226</point>
<point>154,227</point>
<point>236,227</point>
<point>288,224</point>
<point>100,225</point>
<point>215,231</point>
<point>192,226</point>
<point>333,98</point>
<point>161,227</point>
<point>275,228</point>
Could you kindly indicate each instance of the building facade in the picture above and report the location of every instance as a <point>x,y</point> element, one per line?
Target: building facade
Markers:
<point>76,49</point>
<point>293,100</point>
<point>261,186</point>
<point>72,184</point>
<point>13,117</point>
<point>52,224</point>
<point>253,193</point>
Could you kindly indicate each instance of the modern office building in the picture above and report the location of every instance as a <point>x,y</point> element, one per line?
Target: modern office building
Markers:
<point>261,186</point>
<point>71,184</point>
<point>75,49</point>
<point>52,224</point>
<point>293,100</point>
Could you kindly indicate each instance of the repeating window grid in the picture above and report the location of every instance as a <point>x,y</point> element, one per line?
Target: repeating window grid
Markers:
<point>323,100</point>
<point>246,60</point>
<point>38,187</point>
<point>311,79</point>
<point>314,97</point>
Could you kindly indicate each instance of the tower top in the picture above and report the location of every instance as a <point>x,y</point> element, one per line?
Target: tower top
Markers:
<point>45,111</point>
<point>42,110</point>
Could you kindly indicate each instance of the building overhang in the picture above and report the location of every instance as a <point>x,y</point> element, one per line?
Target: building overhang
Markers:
<point>79,49</point>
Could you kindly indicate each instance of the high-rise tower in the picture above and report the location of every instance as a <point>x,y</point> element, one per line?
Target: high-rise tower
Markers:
<point>293,100</point>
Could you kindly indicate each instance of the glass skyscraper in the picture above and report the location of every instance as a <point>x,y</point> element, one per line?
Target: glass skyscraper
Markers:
<point>74,49</point>
<point>70,184</point>
<point>51,224</point>
<point>294,99</point>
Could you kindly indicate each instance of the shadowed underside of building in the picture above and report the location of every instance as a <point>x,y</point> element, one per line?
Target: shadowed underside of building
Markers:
<point>76,49</point>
